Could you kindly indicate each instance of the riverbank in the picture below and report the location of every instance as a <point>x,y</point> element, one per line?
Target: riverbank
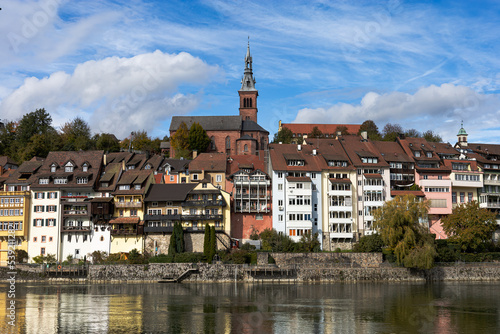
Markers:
<point>210,273</point>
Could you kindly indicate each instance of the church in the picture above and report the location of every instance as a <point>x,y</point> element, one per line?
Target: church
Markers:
<point>233,135</point>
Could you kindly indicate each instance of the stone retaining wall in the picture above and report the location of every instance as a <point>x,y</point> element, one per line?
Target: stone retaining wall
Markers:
<point>321,260</point>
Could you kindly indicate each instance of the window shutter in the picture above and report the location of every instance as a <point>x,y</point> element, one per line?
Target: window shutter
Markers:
<point>56,194</point>
<point>55,208</point>
<point>46,222</point>
<point>34,222</point>
<point>43,208</point>
<point>43,195</point>
<point>54,222</point>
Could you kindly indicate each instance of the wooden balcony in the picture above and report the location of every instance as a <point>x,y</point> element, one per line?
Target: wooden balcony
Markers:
<point>203,203</point>
<point>128,204</point>
<point>75,228</point>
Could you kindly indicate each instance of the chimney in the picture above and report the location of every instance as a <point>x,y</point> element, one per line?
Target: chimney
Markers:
<point>299,147</point>
<point>104,159</point>
<point>314,151</point>
<point>364,135</point>
<point>195,154</point>
<point>123,165</point>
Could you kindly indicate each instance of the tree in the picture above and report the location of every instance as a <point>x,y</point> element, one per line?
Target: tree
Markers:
<point>76,135</point>
<point>275,242</point>
<point>106,142</point>
<point>315,133</point>
<point>284,136</point>
<point>369,244</point>
<point>413,133</point>
<point>342,129</point>
<point>206,242</point>
<point>180,141</point>
<point>371,128</point>
<point>198,138</point>
<point>213,244</point>
<point>38,122</point>
<point>391,131</point>
<point>470,226</point>
<point>432,137</point>
<point>399,224</point>
<point>179,238</point>
<point>309,242</point>
<point>172,247</point>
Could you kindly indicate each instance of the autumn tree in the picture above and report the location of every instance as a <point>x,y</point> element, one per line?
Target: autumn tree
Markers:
<point>285,136</point>
<point>470,226</point>
<point>399,223</point>
<point>315,133</point>
<point>371,129</point>
<point>198,138</point>
<point>180,141</point>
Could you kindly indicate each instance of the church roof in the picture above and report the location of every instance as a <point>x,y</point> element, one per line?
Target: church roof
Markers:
<point>208,123</point>
<point>252,126</point>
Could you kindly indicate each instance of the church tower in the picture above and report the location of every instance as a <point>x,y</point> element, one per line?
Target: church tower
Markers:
<point>248,93</point>
<point>462,136</point>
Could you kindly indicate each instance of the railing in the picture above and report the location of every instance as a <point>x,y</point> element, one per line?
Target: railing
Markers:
<point>203,203</point>
<point>75,212</point>
<point>158,229</point>
<point>75,228</point>
<point>123,232</point>
<point>128,204</point>
<point>201,217</point>
<point>162,217</point>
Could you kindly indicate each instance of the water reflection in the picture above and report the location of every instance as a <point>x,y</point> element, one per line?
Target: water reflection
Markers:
<point>249,308</point>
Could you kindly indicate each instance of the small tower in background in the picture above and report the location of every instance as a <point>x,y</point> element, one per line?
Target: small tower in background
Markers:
<point>248,93</point>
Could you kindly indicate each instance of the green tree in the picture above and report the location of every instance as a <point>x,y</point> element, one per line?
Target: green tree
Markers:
<point>371,129</point>
<point>76,135</point>
<point>399,223</point>
<point>180,142</point>
<point>106,142</point>
<point>470,226</point>
<point>275,242</point>
<point>369,244</point>
<point>315,133</point>
<point>285,136</point>
<point>213,244</point>
<point>391,131</point>
<point>38,122</point>
<point>8,145</point>
<point>206,242</point>
<point>432,137</point>
<point>40,145</point>
<point>172,247</point>
<point>198,138</point>
<point>342,129</point>
<point>179,238</point>
<point>309,242</point>
<point>412,133</point>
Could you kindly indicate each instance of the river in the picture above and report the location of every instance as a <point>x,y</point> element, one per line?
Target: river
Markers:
<point>253,308</point>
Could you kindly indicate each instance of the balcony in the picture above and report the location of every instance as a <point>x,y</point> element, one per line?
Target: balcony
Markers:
<point>66,228</point>
<point>203,203</point>
<point>115,232</point>
<point>162,217</point>
<point>201,217</point>
<point>75,213</point>
<point>252,183</point>
<point>128,204</point>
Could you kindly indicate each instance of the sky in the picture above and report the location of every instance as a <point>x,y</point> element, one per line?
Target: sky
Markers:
<point>131,65</point>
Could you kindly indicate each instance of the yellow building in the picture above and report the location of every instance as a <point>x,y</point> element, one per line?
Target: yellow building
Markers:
<point>127,225</point>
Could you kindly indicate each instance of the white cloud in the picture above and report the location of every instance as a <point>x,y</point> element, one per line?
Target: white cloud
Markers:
<point>428,108</point>
<point>116,95</point>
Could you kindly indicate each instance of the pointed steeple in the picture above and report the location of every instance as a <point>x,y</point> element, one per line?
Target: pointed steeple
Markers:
<point>248,81</point>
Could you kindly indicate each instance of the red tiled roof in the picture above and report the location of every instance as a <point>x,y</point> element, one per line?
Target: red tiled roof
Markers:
<point>324,128</point>
<point>210,162</point>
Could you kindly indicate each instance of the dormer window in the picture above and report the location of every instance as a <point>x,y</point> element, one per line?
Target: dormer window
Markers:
<point>137,187</point>
<point>82,180</point>
<point>416,154</point>
<point>43,181</point>
<point>104,184</point>
<point>53,168</point>
<point>369,160</point>
<point>68,168</point>
<point>295,162</point>
<point>124,187</point>
<point>429,154</point>
<point>60,180</point>
<point>148,166</point>
<point>85,167</point>
<point>129,167</point>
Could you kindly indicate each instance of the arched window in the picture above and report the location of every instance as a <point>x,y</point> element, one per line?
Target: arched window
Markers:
<point>245,148</point>
<point>262,143</point>
<point>250,103</point>
<point>212,143</point>
<point>228,143</point>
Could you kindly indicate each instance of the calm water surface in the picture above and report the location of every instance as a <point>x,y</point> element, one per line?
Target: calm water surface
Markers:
<point>254,308</point>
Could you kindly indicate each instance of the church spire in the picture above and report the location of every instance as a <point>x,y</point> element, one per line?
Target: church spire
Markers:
<point>248,81</point>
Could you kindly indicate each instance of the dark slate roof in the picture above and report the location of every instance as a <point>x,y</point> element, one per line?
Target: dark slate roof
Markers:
<point>29,167</point>
<point>4,160</point>
<point>169,192</point>
<point>252,126</point>
<point>165,144</point>
<point>208,123</point>
<point>176,164</point>
<point>246,137</point>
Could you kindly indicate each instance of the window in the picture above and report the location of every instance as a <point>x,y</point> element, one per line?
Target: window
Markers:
<point>124,187</point>
<point>469,199</point>
<point>102,238</point>
<point>68,168</point>
<point>52,195</point>
<point>204,185</point>
<point>429,154</point>
<point>34,239</point>
<point>39,208</point>
<point>172,179</point>
<point>51,222</point>
<point>85,168</point>
<point>39,195</point>
<point>44,238</point>
<point>219,178</point>
<point>212,143</point>
<point>245,148</point>
<point>82,180</point>
<point>137,187</point>
<point>280,218</point>
<point>42,251</point>
<point>454,197</point>
<point>416,154</point>
<point>313,175</point>
<point>69,237</point>
<point>228,143</point>
<point>280,202</point>
<point>53,168</point>
<point>462,197</point>
<point>195,176</point>
<point>61,180</point>
<point>43,181</point>
<point>280,186</point>
<point>280,175</point>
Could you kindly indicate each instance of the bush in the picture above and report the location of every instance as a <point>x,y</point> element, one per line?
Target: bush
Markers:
<point>21,255</point>
<point>389,255</point>
<point>248,247</point>
<point>237,256</point>
<point>369,244</point>
<point>134,257</point>
<point>188,258</point>
<point>446,251</point>
<point>99,257</point>
<point>162,258</point>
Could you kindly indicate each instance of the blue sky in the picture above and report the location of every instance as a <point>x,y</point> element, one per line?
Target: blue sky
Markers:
<point>131,65</point>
